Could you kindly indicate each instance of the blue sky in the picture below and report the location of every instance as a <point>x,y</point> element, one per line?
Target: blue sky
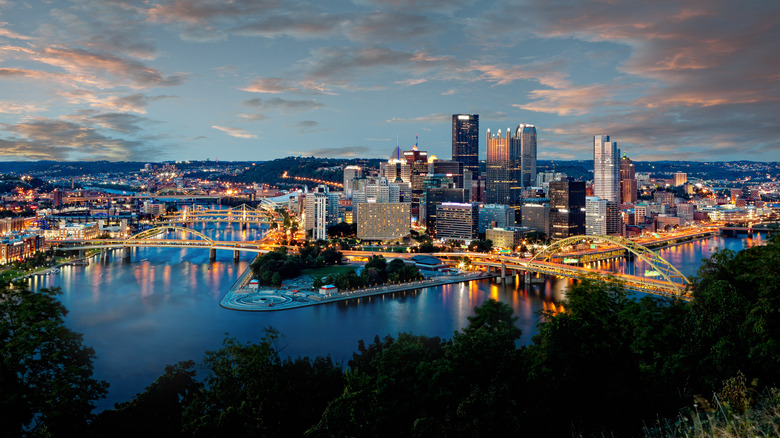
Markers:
<point>262,79</point>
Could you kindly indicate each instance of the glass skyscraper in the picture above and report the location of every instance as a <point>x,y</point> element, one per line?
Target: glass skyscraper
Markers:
<point>606,168</point>
<point>511,165</point>
<point>465,141</point>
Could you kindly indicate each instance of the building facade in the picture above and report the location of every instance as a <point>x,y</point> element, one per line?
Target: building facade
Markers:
<point>595,216</point>
<point>495,216</point>
<point>383,221</point>
<point>567,209</point>
<point>606,168</point>
<point>458,221</point>
<point>465,141</point>
<point>628,182</point>
<point>537,217</point>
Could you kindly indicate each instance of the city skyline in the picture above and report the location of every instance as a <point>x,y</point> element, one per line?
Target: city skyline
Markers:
<point>248,80</point>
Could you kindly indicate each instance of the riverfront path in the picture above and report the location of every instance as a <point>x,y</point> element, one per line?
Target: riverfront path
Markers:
<point>238,298</point>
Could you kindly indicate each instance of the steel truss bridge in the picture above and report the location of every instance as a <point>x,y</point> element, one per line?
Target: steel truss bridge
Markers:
<point>242,214</point>
<point>672,283</point>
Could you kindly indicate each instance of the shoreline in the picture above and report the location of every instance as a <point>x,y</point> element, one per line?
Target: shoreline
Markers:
<point>241,299</point>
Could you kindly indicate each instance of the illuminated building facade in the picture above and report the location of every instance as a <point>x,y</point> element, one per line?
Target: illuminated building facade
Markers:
<point>465,141</point>
<point>606,168</point>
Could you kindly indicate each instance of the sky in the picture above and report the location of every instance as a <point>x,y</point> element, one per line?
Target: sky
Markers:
<point>255,80</point>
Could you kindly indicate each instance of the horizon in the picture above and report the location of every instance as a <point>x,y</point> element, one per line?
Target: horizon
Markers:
<point>168,80</point>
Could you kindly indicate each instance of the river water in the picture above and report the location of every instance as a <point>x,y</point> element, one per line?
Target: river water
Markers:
<point>162,307</point>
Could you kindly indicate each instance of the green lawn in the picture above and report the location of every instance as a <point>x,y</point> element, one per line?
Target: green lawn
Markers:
<point>326,270</point>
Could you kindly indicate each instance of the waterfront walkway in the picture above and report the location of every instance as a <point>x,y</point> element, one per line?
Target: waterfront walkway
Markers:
<point>239,298</point>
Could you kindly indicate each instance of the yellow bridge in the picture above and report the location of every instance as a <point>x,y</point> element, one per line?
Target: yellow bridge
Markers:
<point>670,282</point>
<point>242,214</point>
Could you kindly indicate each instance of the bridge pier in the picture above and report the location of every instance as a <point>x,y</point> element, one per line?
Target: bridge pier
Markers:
<point>126,253</point>
<point>244,226</point>
<point>103,255</point>
<point>81,253</point>
<point>235,256</point>
<point>212,254</point>
<point>503,272</point>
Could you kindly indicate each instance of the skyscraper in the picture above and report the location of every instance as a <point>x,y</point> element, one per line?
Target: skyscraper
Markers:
<point>503,169</point>
<point>465,141</point>
<point>567,209</point>
<point>511,165</point>
<point>627,181</point>
<point>606,168</point>
<point>526,134</point>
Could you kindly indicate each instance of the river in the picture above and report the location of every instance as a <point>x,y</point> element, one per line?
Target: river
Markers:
<point>162,307</point>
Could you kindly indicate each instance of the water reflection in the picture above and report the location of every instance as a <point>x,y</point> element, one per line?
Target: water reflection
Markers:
<point>163,307</point>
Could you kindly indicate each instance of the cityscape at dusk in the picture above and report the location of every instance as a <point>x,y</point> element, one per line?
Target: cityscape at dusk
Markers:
<point>389,218</point>
<point>257,80</point>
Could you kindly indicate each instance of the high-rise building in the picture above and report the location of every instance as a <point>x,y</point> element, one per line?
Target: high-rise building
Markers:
<point>320,210</point>
<point>614,221</point>
<point>351,173</point>
<point>567,209</point>
<point>457,221</point>
<point>606,168</point>
<point>465,141</point>
<point>452,169</point>
<point>526,134</point>
<point>628,182</point>
<point>537,217</point>
<point>494,215</point>
<point>418,164</point>
<point>383,221</point>
<point>680,178</point>
<point>595,216</point>
<point>502,185</point>
<point>434,197</point>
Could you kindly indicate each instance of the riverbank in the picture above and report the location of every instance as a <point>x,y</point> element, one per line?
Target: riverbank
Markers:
<point>238,298</point>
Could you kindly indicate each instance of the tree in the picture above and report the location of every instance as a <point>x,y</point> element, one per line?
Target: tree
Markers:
<point>45,370</point>
<point>160,407</point>
<point>250,391</point>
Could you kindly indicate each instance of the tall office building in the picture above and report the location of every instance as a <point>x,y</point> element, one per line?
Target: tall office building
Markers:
<point>567,209</point>
<point>595,216</point>
<point>680,178</point>
<point>351,173</point>
<point>511,165</point>
<point>606,168</point>
<point>465,141</point>
<point>418,164</point>
<point>458,221</point>
<point>502,185</point>
<point>628,183</point>
<point>449,168</point>
<point>383,221</point>
<point>315,216</point>
<point>526,134</point>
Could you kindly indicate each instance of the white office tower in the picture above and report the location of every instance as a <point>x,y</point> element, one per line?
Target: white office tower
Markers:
<point>606,169</point>
<point>350,174</point>
<point>315,216</point>
<point>595,216</point>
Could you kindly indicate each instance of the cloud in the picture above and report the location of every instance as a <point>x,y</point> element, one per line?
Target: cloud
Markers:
<point>211,20</point>
<point>136,102</point>
<point>347,151</point>
<point>88,67</point>
<point>9,107</point>
<point>280,104</point>
<point>234,132</point>
<point>268,85</point>
<point>252,117</point>
<point>48,139</point>
<point>338,63</point>
<point>106,26</point>
<point>430,118</point>
<point>569,101</point>
<point>306,126</point>
<point>437,6</point>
